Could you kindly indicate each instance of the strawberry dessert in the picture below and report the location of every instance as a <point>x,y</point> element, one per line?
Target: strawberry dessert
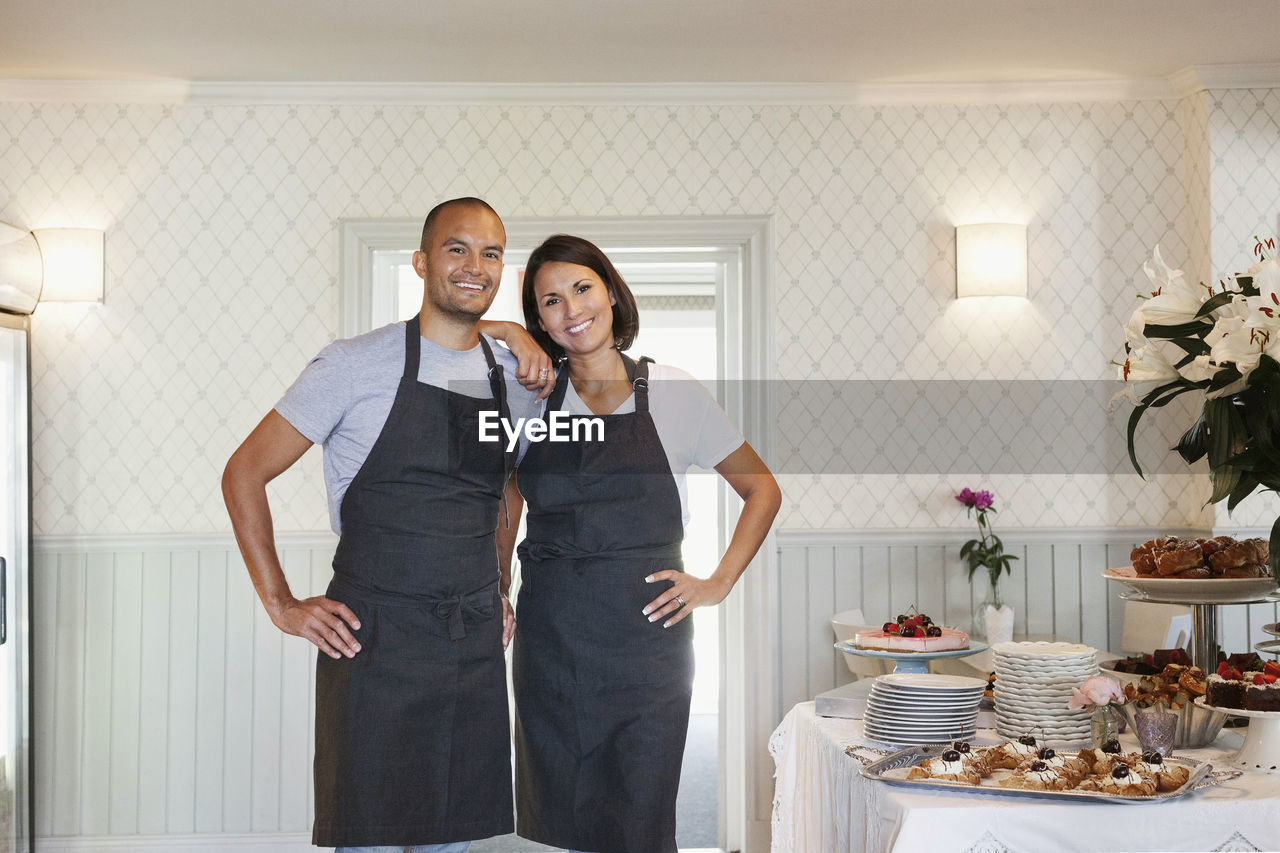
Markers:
<point>914,633</point>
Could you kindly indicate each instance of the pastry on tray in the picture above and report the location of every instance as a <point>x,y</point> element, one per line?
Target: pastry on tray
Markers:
<point>1200,559</point>
<point>1039,776</point>
<point>948,767</point>
<point>1121,780</point>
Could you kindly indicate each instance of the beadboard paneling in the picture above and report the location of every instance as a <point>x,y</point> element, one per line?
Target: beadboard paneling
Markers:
<point>167,704</point>
<point>1056,588</point>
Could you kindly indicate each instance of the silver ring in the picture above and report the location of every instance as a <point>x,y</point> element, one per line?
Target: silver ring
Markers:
<point>681,600</point>
<point>542,374</point>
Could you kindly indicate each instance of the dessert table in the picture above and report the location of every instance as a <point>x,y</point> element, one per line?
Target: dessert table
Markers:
<point>823,804</point>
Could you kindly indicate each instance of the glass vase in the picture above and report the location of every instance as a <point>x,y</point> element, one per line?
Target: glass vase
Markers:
<point>1105,725</point>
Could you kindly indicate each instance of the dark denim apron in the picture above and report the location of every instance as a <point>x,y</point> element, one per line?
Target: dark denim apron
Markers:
<point>412,734</point>
<point>602,694</point>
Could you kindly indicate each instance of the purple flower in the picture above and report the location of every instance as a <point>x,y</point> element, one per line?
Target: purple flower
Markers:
<point>982,500</point>
<point>967,497</point>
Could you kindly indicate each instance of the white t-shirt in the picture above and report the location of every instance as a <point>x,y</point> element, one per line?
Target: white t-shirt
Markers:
<point>694,430</point>
<point>343,397</point>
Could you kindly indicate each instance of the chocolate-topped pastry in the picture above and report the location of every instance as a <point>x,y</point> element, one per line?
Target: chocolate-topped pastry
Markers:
<point>1152,757</point>
<point>1038,766</point>
<point>951,755</point>
<point>961,746</point>
<point>1111,747</point>
<point>1027,740</point>
<point>1046,753</point>
<point>1121,770</point>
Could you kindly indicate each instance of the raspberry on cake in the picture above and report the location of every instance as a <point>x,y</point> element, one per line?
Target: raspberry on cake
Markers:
<point>915,633</point>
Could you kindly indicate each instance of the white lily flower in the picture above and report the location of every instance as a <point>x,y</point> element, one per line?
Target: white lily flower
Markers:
<point>1266,277</point>
<point>1134,329</point>
<point>1173,300</point>
<point>1236,343</point>
<point>1147,364</point>
<point>1200,369</point>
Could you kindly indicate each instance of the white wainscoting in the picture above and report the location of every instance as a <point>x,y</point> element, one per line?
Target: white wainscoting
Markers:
<point>1055,587</point>
<point>170,714</point>
<point>166,703</point>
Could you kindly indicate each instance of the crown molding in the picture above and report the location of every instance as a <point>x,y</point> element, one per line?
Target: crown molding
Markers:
<point>1182,83</point>
<point>584,94</point>
<point>96,91</point>
<point>1198,78</point>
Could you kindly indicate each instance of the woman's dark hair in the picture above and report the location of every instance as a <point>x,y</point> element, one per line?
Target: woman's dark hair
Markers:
<point>565,248</point>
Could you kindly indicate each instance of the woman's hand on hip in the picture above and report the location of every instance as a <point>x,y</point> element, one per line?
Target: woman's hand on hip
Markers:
<point>686,593</point>
<point>508,622</point>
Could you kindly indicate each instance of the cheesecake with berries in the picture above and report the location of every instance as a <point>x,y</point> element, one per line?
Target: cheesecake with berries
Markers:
<point>914,633</point>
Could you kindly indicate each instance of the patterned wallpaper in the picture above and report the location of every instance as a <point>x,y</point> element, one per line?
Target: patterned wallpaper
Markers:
<point>222,257</point>
<point>1244,190</point>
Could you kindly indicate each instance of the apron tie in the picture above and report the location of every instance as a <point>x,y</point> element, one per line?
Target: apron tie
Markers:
<point>457,611</point>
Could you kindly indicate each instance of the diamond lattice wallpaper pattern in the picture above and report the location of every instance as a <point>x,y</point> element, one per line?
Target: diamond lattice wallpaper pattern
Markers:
<point>222,266</point>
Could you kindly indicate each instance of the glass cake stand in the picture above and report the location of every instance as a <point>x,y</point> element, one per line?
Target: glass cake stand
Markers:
<point>911,661</point>
<point>1204,597</point>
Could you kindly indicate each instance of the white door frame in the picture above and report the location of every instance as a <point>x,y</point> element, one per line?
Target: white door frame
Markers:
<point>749,700</point>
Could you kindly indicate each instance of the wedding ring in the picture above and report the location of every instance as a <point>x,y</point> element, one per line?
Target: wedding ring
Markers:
<point>681,600</point>
<point>542,374</point>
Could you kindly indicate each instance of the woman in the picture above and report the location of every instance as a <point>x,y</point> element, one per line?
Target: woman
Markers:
<point>603,661</point>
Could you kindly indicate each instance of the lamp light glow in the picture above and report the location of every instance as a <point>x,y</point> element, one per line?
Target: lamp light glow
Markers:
<point>73,264</point>
<point>991,260</point>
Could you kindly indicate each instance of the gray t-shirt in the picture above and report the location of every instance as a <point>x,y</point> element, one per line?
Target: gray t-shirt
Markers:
<point>343,397</point>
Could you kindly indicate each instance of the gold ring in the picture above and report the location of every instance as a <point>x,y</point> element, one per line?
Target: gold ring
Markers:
<point>681,600</point>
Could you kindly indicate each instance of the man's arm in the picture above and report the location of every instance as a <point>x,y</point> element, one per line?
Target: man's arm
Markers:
<point>272,447</point>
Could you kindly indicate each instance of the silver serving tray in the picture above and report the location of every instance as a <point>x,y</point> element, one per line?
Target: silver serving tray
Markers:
<point>911,756</point>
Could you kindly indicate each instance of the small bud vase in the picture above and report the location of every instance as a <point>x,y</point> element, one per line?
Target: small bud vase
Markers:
<point>1105,725</point>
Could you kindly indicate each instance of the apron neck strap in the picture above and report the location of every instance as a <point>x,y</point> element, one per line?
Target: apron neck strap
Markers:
<point>638,376</point>
<point>412,348</point>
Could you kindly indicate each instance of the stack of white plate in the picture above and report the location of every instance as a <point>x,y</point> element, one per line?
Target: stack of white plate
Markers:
<point>1034,682</point>
<point>917,708</point>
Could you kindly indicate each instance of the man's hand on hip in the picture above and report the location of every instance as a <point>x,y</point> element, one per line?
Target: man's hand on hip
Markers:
<point>323,621</point>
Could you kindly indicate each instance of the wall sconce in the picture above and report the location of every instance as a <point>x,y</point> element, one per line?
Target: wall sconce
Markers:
<point>991,260</point>
<point>49,265</point>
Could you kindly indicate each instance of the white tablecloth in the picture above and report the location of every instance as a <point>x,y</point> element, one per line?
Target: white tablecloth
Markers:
<point>822,803</point>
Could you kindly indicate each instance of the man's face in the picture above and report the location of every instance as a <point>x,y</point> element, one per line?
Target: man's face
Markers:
<point>462,262</point>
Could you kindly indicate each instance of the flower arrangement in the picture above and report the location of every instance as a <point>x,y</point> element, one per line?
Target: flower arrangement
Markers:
<point>1225,343</point>
<point>987,551</point>
<point>1105,694</point>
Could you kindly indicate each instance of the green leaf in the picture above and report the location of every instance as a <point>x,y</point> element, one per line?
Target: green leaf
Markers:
<point>1242,489</point>
<point>1223,378</point>
<point>1213,303</point>
<point>1245,283</point>
<point>1192,445</point>
<point>1275,550</point>
<point>1134,417</point>
<point>967,547</point>
<point>1192,347</point>
<point>1225,479</point>
<point>1180,330</point>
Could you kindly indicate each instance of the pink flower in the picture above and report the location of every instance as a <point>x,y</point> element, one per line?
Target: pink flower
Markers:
<point>982,500</point>
<point>1096,691</point>
<point>967,497</point>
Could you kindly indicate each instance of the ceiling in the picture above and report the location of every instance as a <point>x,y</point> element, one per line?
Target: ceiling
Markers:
<point>630,41</point>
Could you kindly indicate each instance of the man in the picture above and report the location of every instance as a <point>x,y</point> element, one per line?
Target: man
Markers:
<point>412,744</point>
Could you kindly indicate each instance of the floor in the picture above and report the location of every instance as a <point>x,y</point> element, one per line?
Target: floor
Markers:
<point>697,809</point>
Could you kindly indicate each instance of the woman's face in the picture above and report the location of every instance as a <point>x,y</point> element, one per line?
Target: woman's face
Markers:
<point>574,307</point>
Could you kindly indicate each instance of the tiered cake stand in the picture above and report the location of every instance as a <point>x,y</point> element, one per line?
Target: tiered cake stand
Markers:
<point>1261,749</point>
